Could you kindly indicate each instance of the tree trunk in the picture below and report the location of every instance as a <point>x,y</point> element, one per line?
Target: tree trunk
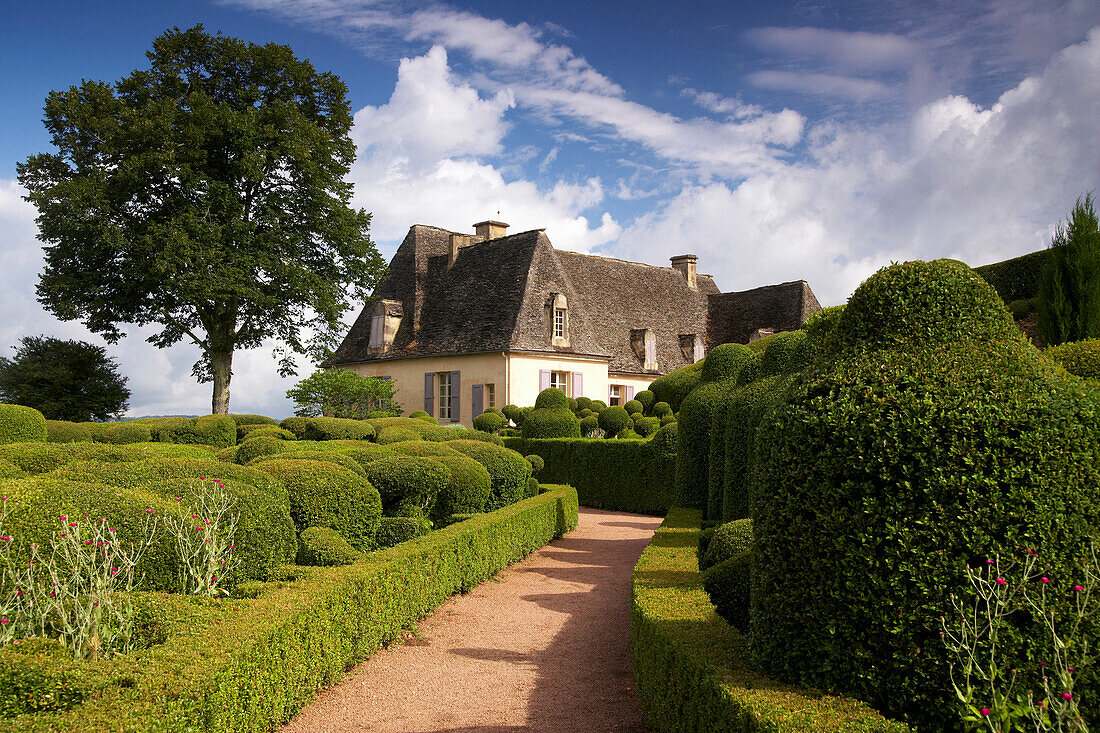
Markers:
<point>221,367</point>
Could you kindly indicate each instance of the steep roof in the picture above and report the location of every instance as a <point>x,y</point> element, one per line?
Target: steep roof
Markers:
<point>496,297</point>
<point>734,317</point>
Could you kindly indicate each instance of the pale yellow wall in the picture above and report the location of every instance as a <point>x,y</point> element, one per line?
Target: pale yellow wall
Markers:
<point>408,376</point>
<point>631,380</point>
<point>524,376</point>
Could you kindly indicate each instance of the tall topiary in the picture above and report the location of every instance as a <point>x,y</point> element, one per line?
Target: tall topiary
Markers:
<point>677,384</point>
<point>937,438</point>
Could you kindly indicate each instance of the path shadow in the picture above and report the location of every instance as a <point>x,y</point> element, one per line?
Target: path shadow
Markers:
<point>633,525</point>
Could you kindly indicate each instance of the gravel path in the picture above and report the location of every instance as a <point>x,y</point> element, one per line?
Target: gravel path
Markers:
<point>541,647</point>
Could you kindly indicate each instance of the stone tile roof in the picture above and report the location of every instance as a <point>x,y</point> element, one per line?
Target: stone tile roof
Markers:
<point>734,317</point>
<point>497,297</point>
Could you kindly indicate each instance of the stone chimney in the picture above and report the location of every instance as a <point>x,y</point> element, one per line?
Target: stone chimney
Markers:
<point>458,241</point>
<point>686,265</point>
<point>490,229</point>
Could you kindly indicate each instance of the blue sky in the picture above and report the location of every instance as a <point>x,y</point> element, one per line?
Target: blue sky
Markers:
<point>776,140</point>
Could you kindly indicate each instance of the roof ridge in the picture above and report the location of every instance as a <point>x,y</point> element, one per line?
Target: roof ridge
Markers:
<point>625,262</point>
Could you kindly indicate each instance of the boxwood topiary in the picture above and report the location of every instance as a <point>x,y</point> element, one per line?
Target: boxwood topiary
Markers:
<point>667,419</point>
<point>551,398</point>
<point>19,424</point>
<point>408,485</point>
<point>677,384</point>
<point>35,458</point>
<point>821,327</point>
<point>647,426</point>
<point>467,489</point>
<point>745,408</point>
<point>508,470</point>
<point>598,406</point>
<point>124,433</point>
<point>513,414</point>
<point>325,495</point>
<point>1080,358</point>
<point>664,440</point>
<point>422,448</point>
<point>789,352</point>
<point>339,459</point>
<point>421,415</point>
<point>10,470</point>
<point>296,425</point>
<point>273,431</point>
<point>633,406</point>
<point>532,488</point>
<point>360,450</point>
<point>489,422</point>
<point>324,547</point>
<point>614,420</point>
<point>263,445</point>
<point>537,463</point>
<point>589,425</point>
<point>395,530</point>
<point>647,400</point>
<point>660,409</point>
<point>551,422</point>
<point>583,403</point>
<point>729,585</point>
<point>396,434</point>
<point>253,420</point>
<point>729,539</point>
<point>61,431</point>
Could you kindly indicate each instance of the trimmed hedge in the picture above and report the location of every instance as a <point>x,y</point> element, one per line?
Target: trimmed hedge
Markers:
<point>727,540</point>
<point>219,431</point>
<point>324,547</point>
<point>248,665</point>
<point>551,398</point>
<point>729,585</point>
<point>253,420</point>
<point>746,409</point>
<point>692,668</point>
<point>1017,278</point>
<point>37,458</point>
<point>551,422</point>
<point>10,470</point>
<point>1080,358</point>
<point>325,495</point>
<point>395,530</point>
<point>467,489</point>
<point>339,459</point>
<point>489,422</point>
<point>788,353</point>
<point>422,448</point>
<point>261,445</point>
<point>507,469</point>
<point>614,420</point>
<point>624,475</point>
<point>677,384</point>
<point>408,485</point>
<point>124,433</point>
<point>19,424</point>
<point>62,431</point>
<point>329,428</point>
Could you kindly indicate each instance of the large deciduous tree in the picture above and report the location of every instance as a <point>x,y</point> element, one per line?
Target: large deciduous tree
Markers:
<point>1068,305</point>
<point>206,196</point>
<point>64,380</point>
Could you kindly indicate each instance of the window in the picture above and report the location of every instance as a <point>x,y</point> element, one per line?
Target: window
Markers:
<point>559,323</point>
<point>377,326</point>
<point>699,349</point>
<point>444,379</point>
<point>560,380</point>
<point>650,354</point>
<point>490,395</point>
<point>615,395</point>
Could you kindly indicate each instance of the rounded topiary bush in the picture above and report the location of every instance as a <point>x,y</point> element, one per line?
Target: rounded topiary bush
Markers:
<point>536,461</point>
<point>789,352</point>
<point>598,406</point>
<point>924,304</point>
<point>10,470</point>
<point>729,585</point>
<point>124,433</point>
<point>647,426</point>
<point>508,470</point>
<point>664,440</point>
<point>881,476</point>
<point>513,414</point>
<point>397,434</point>
<point>821,327</point>
<point>489,422</point>
<point>61,431</point>
<point>263,445</point>
<point>551,398</point>
<point>324,547</point>
<point>19,424</point>
<point>297,425</point>
<point>408,485</point>
<point>745,408</point>
<point>589,425</point>
<point>467,489</point>
<point>667,419</point>
<point>725,362</point>
<point>35,458</point>
<point>647,400</point>
<point>421,415</point>
<point>243,419</point>
<point>395,530</point>
<point>677,384</point>
<point>360,450</point>
<point>271,431</point>
<point>551,422</point>
<point>583,403</point>
<point>1080,358</point>
<point>729,539</point>
<point>532,488</point>
<point>339,459</point>
<point>633,406</point>
<point>614,420</point>
<point>325,495</point>
<point>422,448</point>
<point>660,409</point>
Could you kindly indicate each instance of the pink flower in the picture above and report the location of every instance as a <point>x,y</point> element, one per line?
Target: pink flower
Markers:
<point>202,478</point>
<point>3,621</point>
<point>988,562</point>
<point>1078,587</point>
<point>177,498</point>
<point>148,511</point>
<point>1045,579</point>
<point>72,524</point>
<point>1001,581</point>
<point>1067,696</point>
<point>986,711</point>
<point>1071,669</point>
<point>1042,703</point>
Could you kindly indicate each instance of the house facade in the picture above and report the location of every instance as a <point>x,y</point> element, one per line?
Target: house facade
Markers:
<point>466,322</point>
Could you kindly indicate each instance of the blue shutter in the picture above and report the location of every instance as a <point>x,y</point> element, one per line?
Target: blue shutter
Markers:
<point>456,392</point>
<point>544,379</point>
<point>578,385</point>
<point>429,392</point>
<point>476,400</point>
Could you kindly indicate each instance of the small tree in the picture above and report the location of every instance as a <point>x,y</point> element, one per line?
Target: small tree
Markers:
<point>64,380</point>
<point>1069,293</point>
<point>343,393</point>
<point>205,195</point>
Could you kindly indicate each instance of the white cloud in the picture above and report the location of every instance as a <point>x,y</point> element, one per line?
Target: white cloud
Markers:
<point>850,50</point>
<point>828,85</point>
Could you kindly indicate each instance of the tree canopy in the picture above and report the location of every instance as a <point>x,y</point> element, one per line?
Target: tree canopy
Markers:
<point>204,195</point>
<point>64,380</point>
<point>343,393</point>
<point>1068,304</point>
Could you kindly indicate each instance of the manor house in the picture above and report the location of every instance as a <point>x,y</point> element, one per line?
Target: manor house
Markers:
<point>464,322</point>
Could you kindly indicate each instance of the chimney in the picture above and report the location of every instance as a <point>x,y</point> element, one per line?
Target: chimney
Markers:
<point>490,229</point>
<point>458,241</point>
<point>686,265</point>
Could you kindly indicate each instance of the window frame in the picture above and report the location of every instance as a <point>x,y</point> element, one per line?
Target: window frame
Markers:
<point>377,331</point>
<point>488,395</point>
<point>443,395</point>
<point>614,394</point>
<point>564,383</point>
<point>559,323</point>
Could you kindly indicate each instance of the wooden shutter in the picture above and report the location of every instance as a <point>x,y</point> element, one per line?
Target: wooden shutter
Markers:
<point>429,392</point>
<point>456,392</point>
<point>544,379</point>
<point>629,394</point>
<point>476,400</point>
<point>578,385</point>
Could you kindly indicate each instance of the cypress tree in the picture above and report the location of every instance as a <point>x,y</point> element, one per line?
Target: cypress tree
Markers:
<point>1069,294</point>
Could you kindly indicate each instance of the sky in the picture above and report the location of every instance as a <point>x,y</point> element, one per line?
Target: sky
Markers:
<point>777,140</point>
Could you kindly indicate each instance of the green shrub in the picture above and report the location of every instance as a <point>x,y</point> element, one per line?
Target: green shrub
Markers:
<point>583,403</point>
<point>633,406</point>
<point>513,414</point>
<point>395,530</point>
<point>647,426</point>
<point>245,432</point>
<point>537,464</point>
<point>614,420</point>
<point>489,422</point>
<point>551,398</point>
<point>677,384</point>
<point>219,431</point>
<point>582,414</point>
<point>97,430</point>
<point>361,451</point>
<point>35,458</point>
<point>665,439</point>
<point>408,485</point>
<point>297,425</point>
<point>532,488</point>
<point>263,445</point>
<point>660,409</point>
<point>509,433</point>
<point>629,434</point>
<point>227,455</point>
<point>422,448</point>
<point>647,400</point>
<point>725,362</point>
<point>421,415</point>
<point>253,420</point>
<point>746,407</point>
<point>10,470</point>
<point>39,676</point>
<point>589,425</point>
<point>788,353</point>
<point>397,434</point>
<point>1016,278</point>
<point>727,540</point>
<point>507,469</point>
<point>922,304</point>
<point>344,461</point>
<point>1080,358</point>
<point>325,495</point>
<point>20,424</point>
<point>61,431</point>
<point>821,330</point>
<point>668,419</point>
<point>323,546</point>
<point>328,428</point>
<point>694,671</point>
<point>728,584</point>
<point>551,422</point>
<point>124,433</point>
<point>598,406</point>
<point>467,489</point>
<point>1020,309</point>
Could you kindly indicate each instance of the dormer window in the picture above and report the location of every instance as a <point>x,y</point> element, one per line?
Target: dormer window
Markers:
<point>384,322</point>
<point>558,320</point>
<point>559,323</point>
<point>377,329</point>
